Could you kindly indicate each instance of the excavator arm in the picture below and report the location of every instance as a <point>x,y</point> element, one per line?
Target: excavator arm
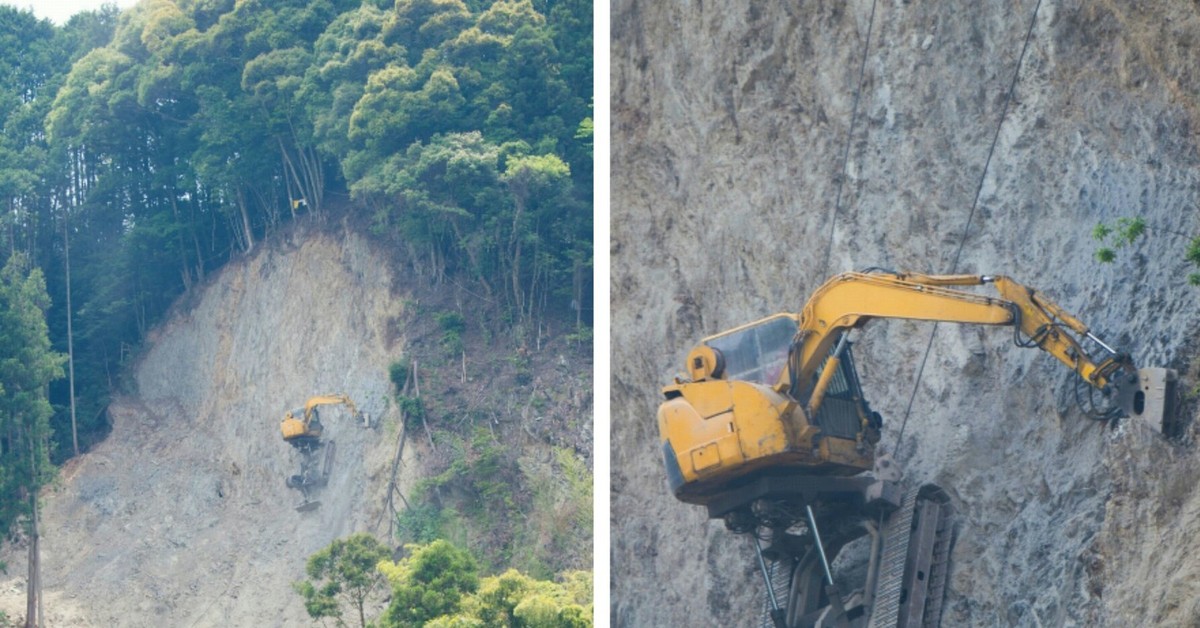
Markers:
<point>852,299</point>
<point>757,395</point>
<point>298,426</point>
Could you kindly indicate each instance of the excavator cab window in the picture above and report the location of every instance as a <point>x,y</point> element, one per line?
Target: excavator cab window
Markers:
<point>756,352</point>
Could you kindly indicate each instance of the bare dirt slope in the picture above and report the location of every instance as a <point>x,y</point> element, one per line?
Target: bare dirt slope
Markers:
<point>181,517</point>
<point>729,125</point>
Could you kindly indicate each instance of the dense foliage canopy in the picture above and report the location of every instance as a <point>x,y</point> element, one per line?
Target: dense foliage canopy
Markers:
<point>143,149</point>
<point>27,366</point>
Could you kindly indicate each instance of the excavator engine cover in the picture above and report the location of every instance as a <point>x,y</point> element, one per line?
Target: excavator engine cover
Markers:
<point>292,428</point>
<point>734,418</point>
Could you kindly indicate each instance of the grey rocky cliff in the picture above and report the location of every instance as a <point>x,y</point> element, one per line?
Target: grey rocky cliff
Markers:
<point>181,517</point>
<point>729,125</point>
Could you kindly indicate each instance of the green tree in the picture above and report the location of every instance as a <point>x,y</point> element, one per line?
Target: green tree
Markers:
<point>161,141</point>
<point>538,184</point>
<point>424,24</point>
<point>514,599</point>
<point>429,583</point>
<point>27,366</point>
<point>343,573</point>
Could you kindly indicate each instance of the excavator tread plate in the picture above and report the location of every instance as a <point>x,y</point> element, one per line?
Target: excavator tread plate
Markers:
<point>916,558</point>
<point>327,466</point>
<point>896,533</point>
<point>939,568</point>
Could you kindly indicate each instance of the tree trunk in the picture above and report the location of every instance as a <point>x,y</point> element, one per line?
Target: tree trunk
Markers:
<point>577,291</point>
<point>196,240</point>
<point>185,269</point>
<point>290,168</point>
<point>241,198</point>
<point>70,331</point>
<point>473,256</point>
<point>515,242</point>
<point>33,592</point>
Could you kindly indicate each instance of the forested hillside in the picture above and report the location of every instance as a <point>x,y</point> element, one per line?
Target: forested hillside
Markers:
<point>142,150</point>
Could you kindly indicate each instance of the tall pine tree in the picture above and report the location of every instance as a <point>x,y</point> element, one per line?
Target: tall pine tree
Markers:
<point>27,366</point>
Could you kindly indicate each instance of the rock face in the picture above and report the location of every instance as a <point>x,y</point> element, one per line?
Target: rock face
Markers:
<point>730,123</point>
<point>181,517</point>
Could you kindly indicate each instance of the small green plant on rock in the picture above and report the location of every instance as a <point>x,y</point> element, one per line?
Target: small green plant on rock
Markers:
<point>1193,257</point>
<point>1125,231</point>
<point>1117,236</point>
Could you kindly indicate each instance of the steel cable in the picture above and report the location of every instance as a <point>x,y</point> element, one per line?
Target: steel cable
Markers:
<point>971,216</point>
<point>837,203</point>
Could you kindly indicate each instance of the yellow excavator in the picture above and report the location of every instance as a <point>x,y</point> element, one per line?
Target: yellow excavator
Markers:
<point>769,430</point>
<point>302,428</point>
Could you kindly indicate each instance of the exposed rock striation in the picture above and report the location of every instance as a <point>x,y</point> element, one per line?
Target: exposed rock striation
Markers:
<point>728,131</point>
<point>181,517</point>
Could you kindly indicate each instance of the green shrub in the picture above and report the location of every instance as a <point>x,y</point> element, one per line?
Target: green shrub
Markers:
<point>452,325</point>
<point>412,407</point>
<point>421,523</point>
<point>398,372</point>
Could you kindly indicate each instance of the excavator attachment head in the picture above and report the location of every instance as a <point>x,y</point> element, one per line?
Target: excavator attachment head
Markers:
<point>308,506</point>
<point>1151,396</point>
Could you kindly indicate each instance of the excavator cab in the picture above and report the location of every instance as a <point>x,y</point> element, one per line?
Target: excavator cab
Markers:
<point>754,353</point>
<point>737,417</point>
<point>299,430</point>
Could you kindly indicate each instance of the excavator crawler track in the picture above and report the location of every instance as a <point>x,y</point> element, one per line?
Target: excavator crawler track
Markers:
<point>910,574</point>
<point>915,563</point>
<point>312,475</point>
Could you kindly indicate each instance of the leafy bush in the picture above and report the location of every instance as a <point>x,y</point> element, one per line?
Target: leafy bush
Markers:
<point>429,583</point>
<point>412,407</point>
<point>522,371</point>
<point>480,478</point>
<point>398,372</point>
<point>453,325</point>
<point>423,522</point>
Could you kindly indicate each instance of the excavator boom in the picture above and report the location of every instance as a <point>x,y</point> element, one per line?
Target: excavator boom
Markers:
<point>298,426</point>
<point>852,299</point>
